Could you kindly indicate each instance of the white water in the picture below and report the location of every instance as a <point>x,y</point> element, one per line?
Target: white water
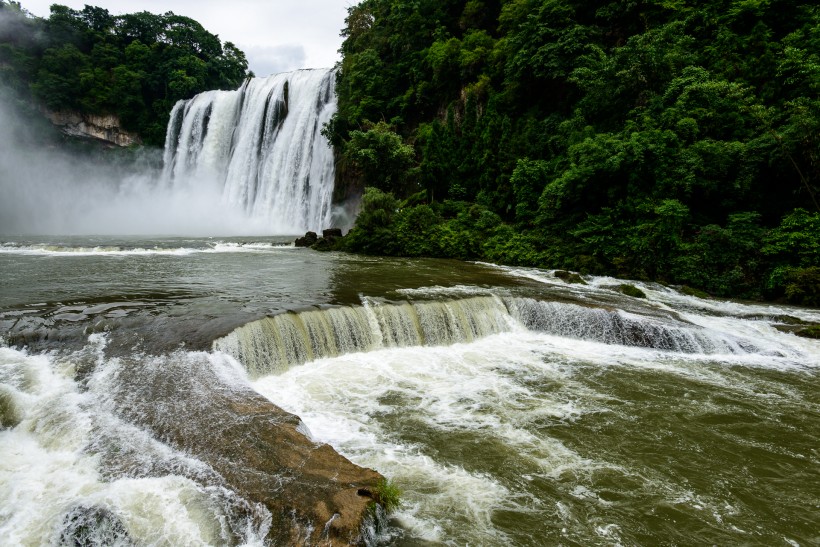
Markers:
<point>505,420</point>
<point>396,409</point>
<point>56,250</point>
<point>261,148</point>
<point>277,343</point>
<point>68,462</point>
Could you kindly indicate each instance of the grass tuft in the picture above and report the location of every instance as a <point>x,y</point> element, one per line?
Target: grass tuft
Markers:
<point>388,495</point>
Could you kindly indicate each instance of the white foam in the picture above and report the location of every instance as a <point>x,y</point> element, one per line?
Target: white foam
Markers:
<point>50,464</point>
<point>118,251</point>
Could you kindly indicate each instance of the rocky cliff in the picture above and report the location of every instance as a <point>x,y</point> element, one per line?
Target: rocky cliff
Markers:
<point>104,128</point>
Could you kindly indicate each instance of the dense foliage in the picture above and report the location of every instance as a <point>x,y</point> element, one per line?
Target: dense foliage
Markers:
<point>653,139</point>
<point>135,66</point>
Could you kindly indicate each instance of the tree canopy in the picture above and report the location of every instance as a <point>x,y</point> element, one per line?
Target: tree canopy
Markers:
<point>135,66</point>
<point>662,139</point>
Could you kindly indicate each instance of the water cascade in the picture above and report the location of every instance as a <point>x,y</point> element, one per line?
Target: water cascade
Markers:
<point>261,147</point>
<point>274,344</point>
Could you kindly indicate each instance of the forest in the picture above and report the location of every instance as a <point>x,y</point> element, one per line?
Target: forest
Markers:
<point>135,66</point>
<point>660,140</point>
<point>665,140</point>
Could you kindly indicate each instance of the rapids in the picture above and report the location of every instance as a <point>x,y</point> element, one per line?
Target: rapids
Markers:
<point>509,407</point>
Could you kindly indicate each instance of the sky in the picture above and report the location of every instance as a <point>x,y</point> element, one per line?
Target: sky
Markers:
<point>276,35</point>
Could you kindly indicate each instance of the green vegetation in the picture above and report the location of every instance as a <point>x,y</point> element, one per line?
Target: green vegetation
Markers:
<point>135,66</point>
<point>810,332</point>
<point>388,495</point>
<point>570,277</point>
<point>689,291</point>
<point>631,290</point>
<point>667,140</point>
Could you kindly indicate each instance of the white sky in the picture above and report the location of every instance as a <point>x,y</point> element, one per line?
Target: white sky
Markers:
<point>276,35</point>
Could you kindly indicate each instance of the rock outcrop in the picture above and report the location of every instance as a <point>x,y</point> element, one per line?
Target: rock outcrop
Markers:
<point>325,243</point>
<point>309,239</point>
<point>261,452</point>
<point>104,128</point>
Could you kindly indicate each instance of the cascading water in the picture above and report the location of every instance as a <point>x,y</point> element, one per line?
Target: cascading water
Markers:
<point>274,344</point>
<point>261,148</point>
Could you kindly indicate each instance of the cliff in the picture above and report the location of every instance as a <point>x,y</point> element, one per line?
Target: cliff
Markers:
<point>104,128</point>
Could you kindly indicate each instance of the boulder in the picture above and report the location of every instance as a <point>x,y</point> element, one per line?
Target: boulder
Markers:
<point>332,233</point>
<point>309,239</point>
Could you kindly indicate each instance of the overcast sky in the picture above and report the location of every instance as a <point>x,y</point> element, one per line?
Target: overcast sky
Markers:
<point>276,35</point>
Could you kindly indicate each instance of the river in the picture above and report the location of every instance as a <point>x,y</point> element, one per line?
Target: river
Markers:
<point>509,407</point>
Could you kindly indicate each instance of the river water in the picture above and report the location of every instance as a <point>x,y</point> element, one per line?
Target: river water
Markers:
<point>509,407</point>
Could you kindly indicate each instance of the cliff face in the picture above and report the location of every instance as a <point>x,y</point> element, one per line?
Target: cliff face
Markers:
<point>91,126</point>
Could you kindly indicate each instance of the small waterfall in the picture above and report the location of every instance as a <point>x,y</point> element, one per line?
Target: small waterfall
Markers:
<point>262,146</point>
<point>274,344</point>
<point>621,328</point>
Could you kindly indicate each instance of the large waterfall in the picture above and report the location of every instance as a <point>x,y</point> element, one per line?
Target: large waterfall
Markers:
<point>260,148</point>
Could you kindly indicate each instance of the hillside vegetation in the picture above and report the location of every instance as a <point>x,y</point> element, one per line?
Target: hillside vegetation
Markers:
<point>135,66</point>
<point>653,139</point>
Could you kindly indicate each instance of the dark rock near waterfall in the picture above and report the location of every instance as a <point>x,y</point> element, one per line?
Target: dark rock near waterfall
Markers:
<point>309,239</point>
<point>328,240</point>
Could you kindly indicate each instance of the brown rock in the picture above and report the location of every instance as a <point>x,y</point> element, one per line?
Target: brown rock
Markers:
<point>315,495</point>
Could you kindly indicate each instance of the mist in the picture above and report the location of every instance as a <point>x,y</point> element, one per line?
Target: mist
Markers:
<point>47,189</point>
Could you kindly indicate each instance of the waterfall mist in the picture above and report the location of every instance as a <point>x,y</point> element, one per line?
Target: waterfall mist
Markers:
<point>245,162</point>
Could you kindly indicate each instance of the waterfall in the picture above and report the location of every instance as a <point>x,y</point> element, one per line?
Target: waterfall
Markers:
<point>274,344</point>
<point>261,147</point>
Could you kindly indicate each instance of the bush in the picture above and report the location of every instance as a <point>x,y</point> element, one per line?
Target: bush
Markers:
<point>803,286</point>
<point>388,495</point>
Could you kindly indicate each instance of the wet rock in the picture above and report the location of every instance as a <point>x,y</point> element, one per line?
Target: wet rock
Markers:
<point>809,332</point>
<point>9,414</point>
<point>258,449</point>
<point>569,277</point>
<point>309,239</point>
<point>324,244</point>
<point>328,240</point>
<point>631,290</point>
